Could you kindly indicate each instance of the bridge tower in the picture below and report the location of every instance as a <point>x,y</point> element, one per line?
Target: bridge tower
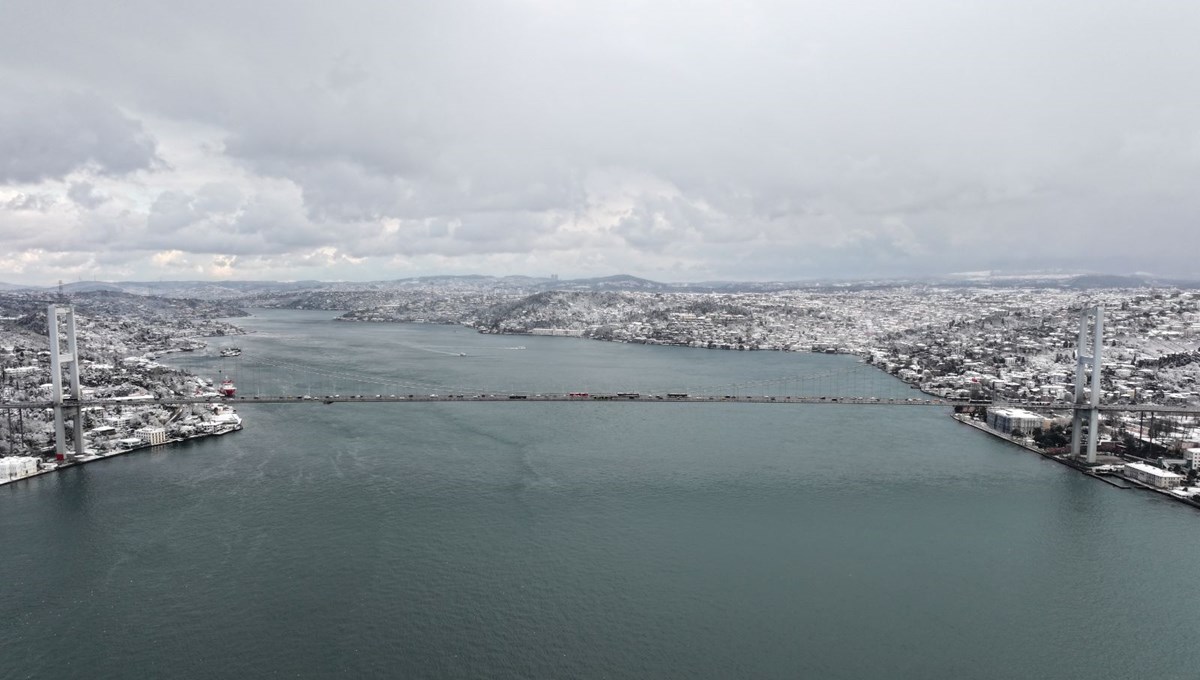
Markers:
<point>1087,405</point>
<point>71,359</point>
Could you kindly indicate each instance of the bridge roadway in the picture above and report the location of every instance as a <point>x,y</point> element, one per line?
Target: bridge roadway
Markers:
<point>589,397</point>
<point>459,398</point>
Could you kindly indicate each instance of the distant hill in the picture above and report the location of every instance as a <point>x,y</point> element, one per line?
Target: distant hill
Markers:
<point>1086,281</point>
<point>620,282</point>
<point>274,290</point>
<point>1077,281</point>
<point>207,290</point>
<point>112,303</point>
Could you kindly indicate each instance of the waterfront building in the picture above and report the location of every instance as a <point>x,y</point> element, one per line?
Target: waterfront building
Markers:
<point>1009,419</point>
<point>152,435</point>
<point>16,467</point>
<point>1153,476</point>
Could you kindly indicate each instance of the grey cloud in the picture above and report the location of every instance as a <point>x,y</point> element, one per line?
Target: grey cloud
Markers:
<point>280,220</point>
<point>790,138</point>
<point>85,195</point>
<point>345,73</point>
<point>47,133</point>
<point>171,211</point>
<point>32,201</point>
<point>222,197</point>
<point>219,219</point>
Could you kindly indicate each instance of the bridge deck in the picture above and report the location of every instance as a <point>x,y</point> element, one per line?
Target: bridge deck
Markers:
<point>463,398</point>
<point>581,398</point>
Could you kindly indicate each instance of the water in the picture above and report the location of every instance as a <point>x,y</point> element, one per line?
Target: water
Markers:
<point>555,540</point>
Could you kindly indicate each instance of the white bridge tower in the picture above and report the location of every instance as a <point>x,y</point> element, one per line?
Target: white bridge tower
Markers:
<point>1087,405</point>
<point>71,359</point>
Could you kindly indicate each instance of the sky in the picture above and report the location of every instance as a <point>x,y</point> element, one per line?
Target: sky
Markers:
<point>679,141</point>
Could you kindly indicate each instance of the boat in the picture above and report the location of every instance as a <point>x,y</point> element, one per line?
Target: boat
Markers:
<point>228,389</point>
<point>231,352</point>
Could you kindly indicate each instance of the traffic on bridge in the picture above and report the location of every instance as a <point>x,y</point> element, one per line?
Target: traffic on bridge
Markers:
<point>584,397</point>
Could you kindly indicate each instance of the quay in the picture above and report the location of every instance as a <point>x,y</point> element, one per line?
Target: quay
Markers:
<point>95,456</point>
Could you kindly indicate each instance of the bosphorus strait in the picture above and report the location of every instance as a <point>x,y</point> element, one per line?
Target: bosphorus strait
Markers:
<point>551,540</point>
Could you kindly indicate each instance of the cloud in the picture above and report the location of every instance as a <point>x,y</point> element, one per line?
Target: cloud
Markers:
<point>47,133</point>
<point>85,196</point>
<point>25,202</point>
<point>741,139</point>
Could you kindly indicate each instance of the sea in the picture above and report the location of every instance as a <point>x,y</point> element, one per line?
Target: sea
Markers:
<point>524,539</point>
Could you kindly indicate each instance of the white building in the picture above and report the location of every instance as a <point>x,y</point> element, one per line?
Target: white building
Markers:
<point>1192,456</point>
<point>152,435</point>
<point>1008,419</point>
<point>1153,476</point>
<point>16,467</point>
<point>102,432</point>
<point>119,420</point>
<point>21,370</point>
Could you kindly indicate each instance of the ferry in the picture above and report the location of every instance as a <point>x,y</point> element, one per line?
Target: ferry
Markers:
<point>231,352</point>
<point>228,389</point>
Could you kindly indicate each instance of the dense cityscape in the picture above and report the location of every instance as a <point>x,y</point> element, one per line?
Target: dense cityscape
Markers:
<point>120,339</point>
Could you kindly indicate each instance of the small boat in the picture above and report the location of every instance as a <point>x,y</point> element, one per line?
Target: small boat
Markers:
<point>231,352</point>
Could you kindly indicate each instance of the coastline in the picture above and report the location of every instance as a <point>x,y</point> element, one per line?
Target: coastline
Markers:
<point>92,458</point>
<point>1082,469</point>
<point>49,466</point>
<point>864,355</point>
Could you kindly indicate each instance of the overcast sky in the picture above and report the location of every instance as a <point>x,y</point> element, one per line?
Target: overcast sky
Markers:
<point>673,140</point>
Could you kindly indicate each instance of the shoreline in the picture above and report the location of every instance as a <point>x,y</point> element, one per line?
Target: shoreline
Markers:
<point>92,458</point>
<point>1082,469</point>
<point>864,355</point>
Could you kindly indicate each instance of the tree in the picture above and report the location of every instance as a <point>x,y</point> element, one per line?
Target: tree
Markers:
<point>1052,438</point>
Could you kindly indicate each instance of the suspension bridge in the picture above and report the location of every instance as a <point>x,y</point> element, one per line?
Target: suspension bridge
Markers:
<point>842,387</point>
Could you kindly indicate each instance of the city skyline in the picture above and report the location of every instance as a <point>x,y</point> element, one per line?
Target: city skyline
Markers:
<point>746,141</point>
